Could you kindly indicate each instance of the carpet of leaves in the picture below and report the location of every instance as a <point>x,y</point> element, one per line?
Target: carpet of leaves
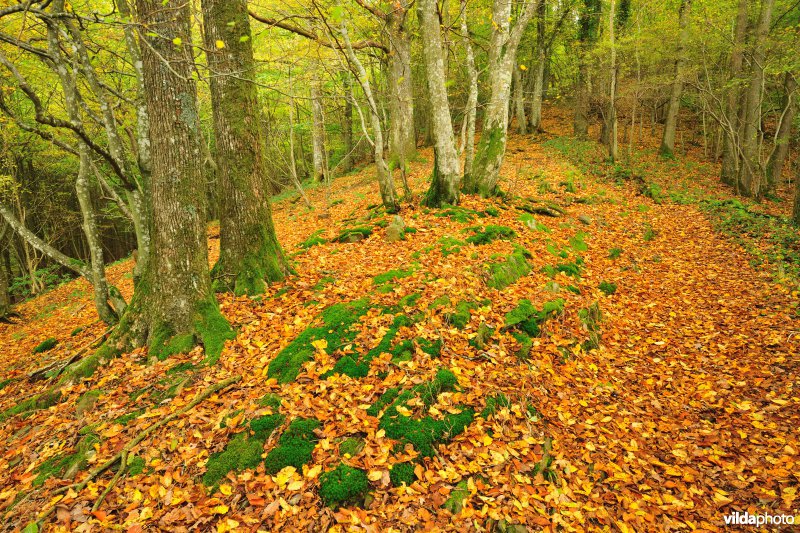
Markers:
<point>688,410</point>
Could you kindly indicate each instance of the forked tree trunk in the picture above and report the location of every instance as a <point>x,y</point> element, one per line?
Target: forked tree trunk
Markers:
<point>173,307</point>
<point>751,171</point>
<point>730,127</point>
<point>668,139</point>
<point>250,256</point>
<point>445,180</point>
<point>502,58</point>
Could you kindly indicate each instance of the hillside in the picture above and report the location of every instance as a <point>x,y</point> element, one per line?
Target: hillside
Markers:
<point>590,353</point>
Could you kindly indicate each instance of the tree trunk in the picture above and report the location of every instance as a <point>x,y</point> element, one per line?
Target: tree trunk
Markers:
<point>588,25</point>
<point>445,181</point>
<point>519,102</point>
<point>783,136</point>
<point>471,109</point>
<point>402,137</point>
<point>502,59</point>
<point>317,132</point>
<point>250,255</point>
<point>540,57</point>
<point>347,126</point>
<point>730,139</point>
<point>388,195</point>
<point>796,208</point>
<point>173,306</point>
<point>668,139</point>
<point>5,277</point>
<point>751,171</point>
<point>611,114</point>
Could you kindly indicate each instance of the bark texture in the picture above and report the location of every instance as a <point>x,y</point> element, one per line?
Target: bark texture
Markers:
<point>783,136</point>
<point>668,139</point>
<point>250,255</point>
<point>470,111</point>
<point>730,140</point>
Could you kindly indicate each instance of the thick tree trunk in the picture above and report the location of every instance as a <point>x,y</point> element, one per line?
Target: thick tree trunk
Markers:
<point>540,57</point>
<point>668,139</point>
<point>385,182</point>
<point>519,102</point>
<point>402,136</point>
<point>730,138</point>
<point>751,170</point>
<point>470,111</point>
<point>445,180</point>
<point>502,59</point>
<point>783,136</point>
<point>250,255</point>
<point>173,306</point>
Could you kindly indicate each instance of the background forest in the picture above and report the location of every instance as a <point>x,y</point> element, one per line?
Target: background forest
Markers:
<point>495,265</point>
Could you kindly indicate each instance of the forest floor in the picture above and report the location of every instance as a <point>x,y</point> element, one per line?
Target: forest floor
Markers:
<point>642,376</point>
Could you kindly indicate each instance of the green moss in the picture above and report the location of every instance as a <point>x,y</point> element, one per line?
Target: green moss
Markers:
<point>354,234</point>
<point>402,474</point>
<point>357,365</point>
<point>591,317</point>
<point>432,348</point>
<point>572,269</point>
<point>37,402</point>
<point>263,426</point>
<point>127,417</point>
<point>313,240</point>
<point>525,345</point>
<point>336,328</point>
<point>457,214</point>
<point>608,288</point>
<point>492,212</point>
<point>482,337</point>
<point>351,446</point>
<point>45,345</point>
<point>385,400</point>
<point>441,301</point>
<point>455,502</point>
<point>186,366</point>
<point>490,233</point>
<point>87,401</point>
<point>495,403</point>
<point>66,464</point>
<point>213,330</point>
<point>461,317</point>
<point>136,465</point>
<point>504,273</point>
<point>327,280</point>
<point>76,331</point>
<point>271,400</point>
<point>450,245</point>
<point>344,485</point>
<point>241,453</point>
<point>408,300</point>
<point>526,318</point>
<point>295,446</point>
<point>392,275</point>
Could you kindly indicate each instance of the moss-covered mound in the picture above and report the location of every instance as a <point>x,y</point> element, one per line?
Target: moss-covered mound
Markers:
<point>354,234</point>
<point>336,329</point>
<point>526,318</point>
<point>344,485</point>
<point>422,433</point>
<point>295,446</point>
<point>47,344</point>
<point>460,318</point>
<point>490,233</point>
<point>357,365</point>
<point>402,473</point>
<point>502,274</point>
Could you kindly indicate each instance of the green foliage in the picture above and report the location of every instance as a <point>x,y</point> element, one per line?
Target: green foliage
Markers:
<point>402,474</point>
<point>608,288</point>
<point>45,345</point>
<point>504,273</point>
<point>49,277</point>
<point>295,447</point>
<point>336,328</point>
<point>490,233</point>
<point>343,485</point>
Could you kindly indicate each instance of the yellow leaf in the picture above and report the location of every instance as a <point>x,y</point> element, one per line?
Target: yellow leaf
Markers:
<point>405,411</point>
<point>219,509</point>
<point>177,41</point>
<point>296,485</point>
<point>314,471</point>
<point>226,489</point>
<point>219,44</point>
<point>319,344</point>
<point>375,475</point>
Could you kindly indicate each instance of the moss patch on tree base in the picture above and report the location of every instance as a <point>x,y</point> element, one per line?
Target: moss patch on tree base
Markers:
<point>336,329</point>
<point>344,485</point>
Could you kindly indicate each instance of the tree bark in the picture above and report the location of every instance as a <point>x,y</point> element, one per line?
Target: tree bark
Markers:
<point>783,136</point>
<point>541,58</point>
<point>347,125</point>
<point>470,111</point>
<point>445,180</point>
<point>402,136</point>
<point>502,59</point>
<point>317,132</point>
<point>751,171</point>
<point>730,139</point>
<point>519,102</point>
<point>611,114</point>
<point>668,139</point>
<point>388,195</point>
<point>5,281</point>
<point>250,255</point>
<point>588,24</point>
<point>173,307</point>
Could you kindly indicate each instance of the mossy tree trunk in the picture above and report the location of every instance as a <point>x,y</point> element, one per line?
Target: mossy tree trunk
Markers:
<point>445,179</point>
<point>502,58</point>
<point>250,255</point>
<point>783,136</point>
<point>402,135</point>
<point>173,306</point>
<point>668,139</point>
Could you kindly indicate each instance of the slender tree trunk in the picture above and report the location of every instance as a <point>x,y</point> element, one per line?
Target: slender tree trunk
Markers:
<point>611,115</point>
<point>385,182</point>
<point>730,138</point>
<point>250,255</point>
<point>588,29</point>
<point>502,59</point>
<point>5,276</point>
<point>317,132</point>
<point>402,136</point>
<point>472,96</point>
<point>668,139</point>
<point>519,102</point>
<point>538,73</point>
<point>783,136</point>
<point>445,181</point>
<point>173,306</point>
<point>751,170</point>
<point>347,125</point>
<point>796,207</point>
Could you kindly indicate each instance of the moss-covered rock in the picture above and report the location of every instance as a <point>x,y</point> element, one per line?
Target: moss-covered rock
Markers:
<point>87,402</point>
<point>402,474</point>
<point>344,485</point>
<point>502,274</point>
<point>45,345</point>
<point>354,234</point>
<point>295,446</point>
<point>335,328</point>
<point>36,402</point>
<point>313,240</point>
<point>490,233</point>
